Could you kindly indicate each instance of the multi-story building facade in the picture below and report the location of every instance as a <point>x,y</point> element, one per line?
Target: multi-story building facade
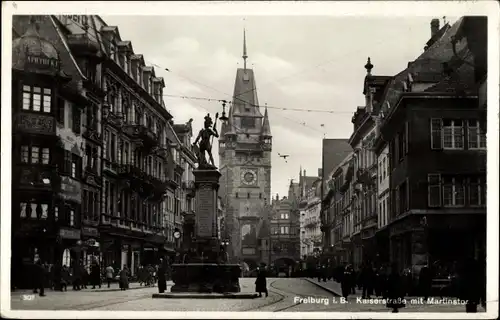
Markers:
<point>383,201</point>
<point>310,221</point>
<point>140,159</point>
<point>49,93</point>
<point>436,137</point>
<point>365,167</point>
<point>184,223</point>
<point>284,241</point>
<point>337,205</point>
<point>245,164</point>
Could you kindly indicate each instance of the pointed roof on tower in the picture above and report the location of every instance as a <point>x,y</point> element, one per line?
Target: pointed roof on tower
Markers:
<point>245,101</point>
<point>229,124</point>
<point>266,128</point>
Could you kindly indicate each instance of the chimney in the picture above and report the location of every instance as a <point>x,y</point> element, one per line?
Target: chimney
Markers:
<point>305,173</point>
<point>434,27</point>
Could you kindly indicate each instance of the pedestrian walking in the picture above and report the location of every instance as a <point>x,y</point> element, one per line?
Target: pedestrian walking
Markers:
<point>124,274</point>
<point>40,277</point>
<point>395,290</point>
<point>425,282</point>
<point>367,280</point>
<point>109,275</point>
<point>65,278</point>
<point>470,283</point>
<point>346,281</point>
<point>85,275</point>
<point>261,282</point>
<point>162,280</point>
<point>95,274</point>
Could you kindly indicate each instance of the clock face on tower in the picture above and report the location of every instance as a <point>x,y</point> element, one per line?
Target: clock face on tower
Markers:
<point>248,177</point>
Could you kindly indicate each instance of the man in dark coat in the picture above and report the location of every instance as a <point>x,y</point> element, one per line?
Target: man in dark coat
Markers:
<point>95,274</point>
<point>425,282</point>
<point>346,281</point>
<point>77,276</point>
<point>162,279</point>
<point>40,278</point>
<point>367,280</point>
<point>395,290</point>
<point>261,282</point>
<point>470,284</point>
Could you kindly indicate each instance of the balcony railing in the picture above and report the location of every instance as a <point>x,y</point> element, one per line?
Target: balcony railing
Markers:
<point>143,182</point>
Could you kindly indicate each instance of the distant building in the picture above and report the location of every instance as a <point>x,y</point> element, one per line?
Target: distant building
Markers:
<point>284,240</point>
<point>310,212</point>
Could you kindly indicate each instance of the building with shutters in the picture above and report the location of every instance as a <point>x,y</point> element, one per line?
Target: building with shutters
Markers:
<point>310,216</point>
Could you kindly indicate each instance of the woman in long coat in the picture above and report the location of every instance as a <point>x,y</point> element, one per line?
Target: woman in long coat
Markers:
<point>124,278</point>
<point>261,282</point>
<point>395,290</point>
<point>162,279</point>
<point>95,274</point>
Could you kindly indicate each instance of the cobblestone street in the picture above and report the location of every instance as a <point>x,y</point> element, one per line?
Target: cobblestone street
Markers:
<point>284,296</point>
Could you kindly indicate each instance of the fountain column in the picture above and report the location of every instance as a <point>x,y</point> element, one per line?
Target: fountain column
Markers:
<point>204,271</point>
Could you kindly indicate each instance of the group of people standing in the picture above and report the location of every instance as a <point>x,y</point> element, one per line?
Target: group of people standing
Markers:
<point>394,285</point>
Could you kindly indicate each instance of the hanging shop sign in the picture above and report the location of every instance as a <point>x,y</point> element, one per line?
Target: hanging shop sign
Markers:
<point>90,231</point>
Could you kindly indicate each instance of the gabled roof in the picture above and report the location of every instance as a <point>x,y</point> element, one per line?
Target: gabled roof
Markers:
<point>139,57</point>
<point>126,45</point>
<point>113,29</point>
<point>334,152</point>
<point>429,65</point>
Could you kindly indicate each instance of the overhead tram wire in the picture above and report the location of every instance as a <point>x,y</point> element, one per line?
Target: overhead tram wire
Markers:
<point>269,107</point>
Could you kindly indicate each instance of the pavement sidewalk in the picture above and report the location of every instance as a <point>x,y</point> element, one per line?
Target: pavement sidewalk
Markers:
<point>333,287</point>
<point>104,288</point>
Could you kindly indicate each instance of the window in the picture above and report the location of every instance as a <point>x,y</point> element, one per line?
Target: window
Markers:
<point>76,119</point>
<point>35,155</point>
<point>71,218</point>
<point>236,195</point>
<point>453,134</point>
<point>248,122</point>
<point>476,134</point>
<point>284,216</point>
<point>477,192</point>
<point>403,197</point>
<point>34,210</point>
<point>380,172</point>
<point>37,99</point>
<point>248,195</point>
<point>60,108</point>
<point>56,213</point>
<point>384,167</point>
<point>453,191</point>
<point>112,147</point>
<point>434,190</point>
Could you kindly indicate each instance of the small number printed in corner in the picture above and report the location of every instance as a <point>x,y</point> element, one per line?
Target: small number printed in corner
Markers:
<point>28,297</point>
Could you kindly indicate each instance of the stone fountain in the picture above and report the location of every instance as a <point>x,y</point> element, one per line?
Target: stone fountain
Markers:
<point>207,269</point>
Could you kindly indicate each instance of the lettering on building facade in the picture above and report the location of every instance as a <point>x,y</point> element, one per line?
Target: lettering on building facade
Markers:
<point>39,124</point>
<point>42,63</point>
<point>70,190</point>
<point>205,214</point>
<point>73,234</point>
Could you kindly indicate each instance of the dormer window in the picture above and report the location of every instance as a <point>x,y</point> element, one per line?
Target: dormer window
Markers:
<point>139,75</point>
<point>125,63</point>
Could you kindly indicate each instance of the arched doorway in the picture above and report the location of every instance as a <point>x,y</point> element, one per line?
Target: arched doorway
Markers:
<point>284,267</point>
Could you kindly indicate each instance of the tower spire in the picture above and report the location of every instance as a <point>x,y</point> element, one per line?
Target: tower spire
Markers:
<point>245,56</point>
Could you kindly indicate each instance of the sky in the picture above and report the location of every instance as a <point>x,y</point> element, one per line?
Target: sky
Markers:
<point>301,62</point>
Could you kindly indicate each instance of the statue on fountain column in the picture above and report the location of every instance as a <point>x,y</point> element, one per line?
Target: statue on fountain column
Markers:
<point>204,141</point>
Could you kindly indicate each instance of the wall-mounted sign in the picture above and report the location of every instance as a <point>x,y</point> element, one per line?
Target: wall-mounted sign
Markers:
<point>67,233</point>
<point>71,190</point>
<point>248,251</point>
<point>42,63</point>
<point>177,234</point>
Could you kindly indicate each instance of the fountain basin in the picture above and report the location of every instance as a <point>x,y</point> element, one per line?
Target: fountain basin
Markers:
<point>206,278</point>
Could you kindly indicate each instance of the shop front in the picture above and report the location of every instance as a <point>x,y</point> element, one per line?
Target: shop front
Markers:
<point>91,246</point>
